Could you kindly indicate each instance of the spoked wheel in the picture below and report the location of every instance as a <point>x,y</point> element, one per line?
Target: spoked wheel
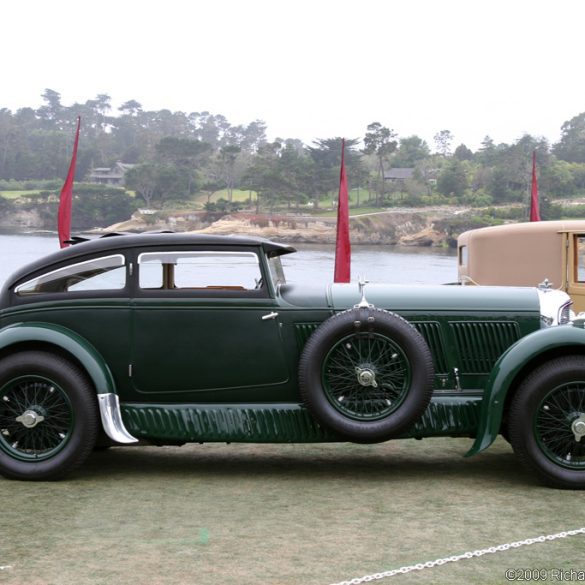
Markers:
<point>547,422</point>
<point>366,374</point>
<point>36,418</point>
<point>48,416</point>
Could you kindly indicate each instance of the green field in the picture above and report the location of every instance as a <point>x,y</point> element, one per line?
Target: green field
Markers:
<point>17,194</point>
<point>284,515</point>
<point>244,197</point>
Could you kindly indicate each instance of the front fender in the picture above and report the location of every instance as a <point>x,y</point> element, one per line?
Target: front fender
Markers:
<point>65,339</point>
<point>506,370</point>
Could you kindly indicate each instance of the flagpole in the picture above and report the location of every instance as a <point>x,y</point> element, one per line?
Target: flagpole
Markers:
<point>342,243</point>
<point>66,196</point>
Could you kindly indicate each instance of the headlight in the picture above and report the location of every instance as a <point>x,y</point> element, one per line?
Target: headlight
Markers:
<point>564,316</point>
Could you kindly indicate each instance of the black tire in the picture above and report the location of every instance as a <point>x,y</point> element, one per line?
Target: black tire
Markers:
<point>366,374</point>
<point>544,416</point>
<point>48,416</point>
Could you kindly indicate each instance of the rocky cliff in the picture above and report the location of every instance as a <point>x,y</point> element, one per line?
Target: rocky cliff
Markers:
<point>438,226</point>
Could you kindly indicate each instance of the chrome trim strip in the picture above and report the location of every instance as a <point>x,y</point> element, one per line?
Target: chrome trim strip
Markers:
<point>112,419</point>
<point>69,268</point>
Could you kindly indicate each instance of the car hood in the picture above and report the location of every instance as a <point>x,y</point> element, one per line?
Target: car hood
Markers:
<point>420,298</point>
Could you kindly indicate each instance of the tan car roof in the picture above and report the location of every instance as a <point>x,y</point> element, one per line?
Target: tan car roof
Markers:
<point>521,254</point>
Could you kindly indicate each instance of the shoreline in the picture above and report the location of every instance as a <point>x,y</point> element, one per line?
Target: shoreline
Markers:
<point>430,227</point>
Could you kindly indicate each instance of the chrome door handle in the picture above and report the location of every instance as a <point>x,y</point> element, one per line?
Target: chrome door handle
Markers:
<point>272,315</point>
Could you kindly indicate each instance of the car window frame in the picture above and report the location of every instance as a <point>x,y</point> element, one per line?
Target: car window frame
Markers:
<point>122,293</point>
<point>264,292</point>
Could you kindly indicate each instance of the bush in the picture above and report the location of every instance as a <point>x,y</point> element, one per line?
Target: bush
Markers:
<point>101,207</point>
<point>573,211</point>
<point>477,198</point>
<point>223,206</point>
<point>6,207</point>
<point>93,206</point>
<point>507,213</point>
<point>30,185</point>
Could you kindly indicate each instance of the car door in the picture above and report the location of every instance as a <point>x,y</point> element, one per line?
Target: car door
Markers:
<point>204,328</point>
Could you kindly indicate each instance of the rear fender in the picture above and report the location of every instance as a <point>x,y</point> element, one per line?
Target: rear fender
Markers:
<point>506,370</point>
<point>89,358</point>
<point>66,340</point>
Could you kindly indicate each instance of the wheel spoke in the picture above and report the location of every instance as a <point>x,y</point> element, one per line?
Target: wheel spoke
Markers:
<point>45,418</point>
<point>382,360</point>
<point>553,425</point>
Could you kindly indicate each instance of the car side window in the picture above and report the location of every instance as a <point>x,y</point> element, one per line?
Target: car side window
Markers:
<point>205,270</point>
<point>580,259</point>
<point>98,274</point>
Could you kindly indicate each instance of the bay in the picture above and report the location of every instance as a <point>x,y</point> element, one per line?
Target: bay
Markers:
<point>310,265</point>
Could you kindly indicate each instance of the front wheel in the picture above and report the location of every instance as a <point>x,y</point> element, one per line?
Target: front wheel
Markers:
<point>547,422</point>
<point>48,416</point>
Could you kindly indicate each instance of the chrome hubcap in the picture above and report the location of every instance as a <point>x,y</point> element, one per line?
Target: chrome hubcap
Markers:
<point>366,377</point>
<point>30,419</point>
<point>578,427</point>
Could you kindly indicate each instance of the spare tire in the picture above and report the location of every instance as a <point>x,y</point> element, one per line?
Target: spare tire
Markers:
<point>366,374</point>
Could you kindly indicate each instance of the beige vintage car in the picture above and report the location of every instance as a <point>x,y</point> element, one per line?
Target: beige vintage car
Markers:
<point>525,254</point>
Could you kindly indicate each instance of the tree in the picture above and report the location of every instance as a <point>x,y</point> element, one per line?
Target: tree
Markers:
<point>411,150</point>
<point>254,136</point>
<point>263,176</point>
<point>487,151</point>
<point>131,108</point>
<point>571,146</point>
<point>143,179</point>
<point>52,110</point>
<point>453,180</point>
<point>297,170</point>
<point>379,141</point>
<point>99,205</point>
<point>443,141</point>
<point>228,156</point>
<point>185,156</point>
<point>463,153</point>
<point>326,158</point>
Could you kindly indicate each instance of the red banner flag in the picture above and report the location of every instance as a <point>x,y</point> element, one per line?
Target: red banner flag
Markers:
<point>534,207</point>
<point>64,216</point>
<point>342,245</point>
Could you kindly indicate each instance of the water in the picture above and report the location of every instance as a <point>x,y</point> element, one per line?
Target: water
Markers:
<point>311,264</point>
<point>390,264</point>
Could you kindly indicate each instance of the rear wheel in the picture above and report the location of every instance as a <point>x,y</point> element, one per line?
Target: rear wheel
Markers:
<point>48,416</point>
<point>547,422</point>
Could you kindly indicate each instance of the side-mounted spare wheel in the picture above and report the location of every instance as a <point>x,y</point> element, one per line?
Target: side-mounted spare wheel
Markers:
<point>546,422</point>
<point>49,418</point>
<point>366,374</point>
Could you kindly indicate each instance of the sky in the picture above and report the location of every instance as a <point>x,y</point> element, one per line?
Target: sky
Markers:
<point>310,68</point>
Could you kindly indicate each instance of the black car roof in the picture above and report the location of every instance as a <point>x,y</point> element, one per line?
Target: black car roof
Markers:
<point>113,242</point>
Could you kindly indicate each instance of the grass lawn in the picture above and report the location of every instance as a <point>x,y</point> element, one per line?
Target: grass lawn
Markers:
<point>17,194</point>
<point>284,515</point>
<point>244,196</point>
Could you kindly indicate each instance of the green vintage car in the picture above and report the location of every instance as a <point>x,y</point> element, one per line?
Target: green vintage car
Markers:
<point>174,338</point>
